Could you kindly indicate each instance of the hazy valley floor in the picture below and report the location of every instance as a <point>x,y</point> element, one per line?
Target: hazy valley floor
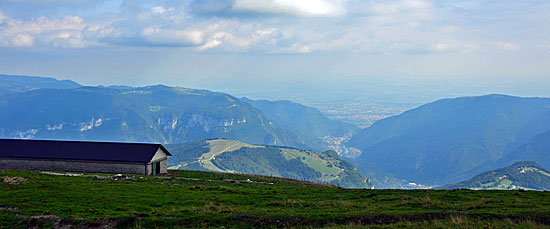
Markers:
<point>203,199</point>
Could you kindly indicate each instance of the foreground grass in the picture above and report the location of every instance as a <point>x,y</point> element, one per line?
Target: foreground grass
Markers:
<point>202,199</point>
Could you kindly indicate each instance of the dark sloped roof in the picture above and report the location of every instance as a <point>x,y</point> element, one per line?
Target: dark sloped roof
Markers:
<point>79,150</point>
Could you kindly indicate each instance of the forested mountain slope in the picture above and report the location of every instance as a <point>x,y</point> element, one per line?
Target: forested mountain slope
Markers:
<point>435,142</point>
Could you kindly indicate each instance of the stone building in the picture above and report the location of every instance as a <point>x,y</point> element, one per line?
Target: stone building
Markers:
<point>82,156</point>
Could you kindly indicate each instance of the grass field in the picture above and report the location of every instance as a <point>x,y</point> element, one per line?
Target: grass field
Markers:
<point>203,199</point>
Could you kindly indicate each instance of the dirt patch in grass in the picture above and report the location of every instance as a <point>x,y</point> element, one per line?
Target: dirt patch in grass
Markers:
<point>53,221</point>
<point>14,180</point>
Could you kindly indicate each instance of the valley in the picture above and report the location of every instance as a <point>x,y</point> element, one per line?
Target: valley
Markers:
<point>430,146</point>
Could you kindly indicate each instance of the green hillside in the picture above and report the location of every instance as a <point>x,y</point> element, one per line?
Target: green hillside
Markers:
<point>221,155</point>
<point>521,175</point>
<point>190,199</point>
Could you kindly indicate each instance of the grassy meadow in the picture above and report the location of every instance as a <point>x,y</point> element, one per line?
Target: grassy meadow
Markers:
<point>206,199</point>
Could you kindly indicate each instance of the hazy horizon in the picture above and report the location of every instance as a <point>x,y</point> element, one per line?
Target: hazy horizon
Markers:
<point>475,47</point>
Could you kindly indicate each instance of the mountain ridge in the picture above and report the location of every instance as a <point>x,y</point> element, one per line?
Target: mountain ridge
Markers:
<point>520,175</point>
<point>20,83</point>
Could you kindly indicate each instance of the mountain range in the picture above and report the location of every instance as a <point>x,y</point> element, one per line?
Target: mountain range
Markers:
<point>147,114</point>
<point>443,142</point>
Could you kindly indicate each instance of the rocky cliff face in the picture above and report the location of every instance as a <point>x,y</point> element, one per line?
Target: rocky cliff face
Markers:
<point>150,114</point>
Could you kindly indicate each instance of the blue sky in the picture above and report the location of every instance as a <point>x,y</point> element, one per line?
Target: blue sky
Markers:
<point>244,42</point>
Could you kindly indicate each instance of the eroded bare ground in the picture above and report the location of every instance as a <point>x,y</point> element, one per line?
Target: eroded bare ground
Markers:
<point>14,180</point>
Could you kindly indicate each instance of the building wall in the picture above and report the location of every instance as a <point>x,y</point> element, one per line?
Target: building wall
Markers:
<point>149,169</point>
<point>73,166</point>
<point>163,166</point>
<point>160,154</point>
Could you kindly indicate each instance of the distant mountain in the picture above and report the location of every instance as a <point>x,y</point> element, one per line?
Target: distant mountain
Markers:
<point>435,142</point>
<point>299,118</point>
<point>148,114</point>
<point>15,83</point>
<point>521,175</point>
<point>536,149</point>
<point>237,157</point>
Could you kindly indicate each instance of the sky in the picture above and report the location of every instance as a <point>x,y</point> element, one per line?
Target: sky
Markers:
<point>237,44</point>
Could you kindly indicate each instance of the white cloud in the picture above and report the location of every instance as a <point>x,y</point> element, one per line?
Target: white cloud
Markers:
<point>2,17</point>
<point>227,35</point>
<point>443,47</point>
<point>44,24</point>
<point>391,11</point>
<point>158,10</point>
<point>292,7</point>
<point>160,36</point>
<point>22,40</point>
<point>210,44</point>
<point>507,46</point>
<point>65,32</point>
<point>455,46</point>
<point>450,29</point>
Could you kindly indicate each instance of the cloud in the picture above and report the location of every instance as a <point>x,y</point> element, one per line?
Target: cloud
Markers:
<point>22,40</point>
<point>158,10</point>
<point>2,17</point>
<point>234,36</point>
<point>506,46</point>
<point>392,11</point>
<point>269,26</point>
<point>155,35</point>
<point>450,29</point>
<point>302,8</point>
<point>290,7</point>
<point>455,47</point>
<point>66,32</point>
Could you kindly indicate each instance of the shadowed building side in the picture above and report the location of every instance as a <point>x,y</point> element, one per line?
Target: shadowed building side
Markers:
<point>81,156</point>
